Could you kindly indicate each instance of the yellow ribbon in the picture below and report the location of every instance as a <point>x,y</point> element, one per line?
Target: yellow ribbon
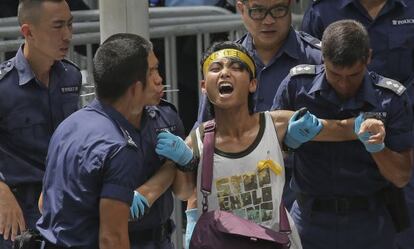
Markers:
<point>270,164</point>
<point>228,52</point>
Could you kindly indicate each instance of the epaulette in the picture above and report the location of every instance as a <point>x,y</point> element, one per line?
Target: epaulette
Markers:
<point>302,70</point>
<point>314,42</point>
<point>128,137</point>
<point>392,85</point>
<point>164,102</point>
<point>71,63</point>
<point>5,68</point>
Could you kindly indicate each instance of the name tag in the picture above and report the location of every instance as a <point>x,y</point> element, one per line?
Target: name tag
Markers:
<point>168,128</point>
<point>69,89</point>
<point>402,22</point>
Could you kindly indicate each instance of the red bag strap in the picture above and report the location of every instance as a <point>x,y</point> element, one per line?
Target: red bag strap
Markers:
<point>207,175</point>
<point>207,165</point>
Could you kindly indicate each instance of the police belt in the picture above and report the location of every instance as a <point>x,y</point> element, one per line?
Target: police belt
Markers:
<point>343,204</point>
<point>159,233</point>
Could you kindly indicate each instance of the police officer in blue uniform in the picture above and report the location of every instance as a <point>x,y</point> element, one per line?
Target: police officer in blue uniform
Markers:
<point>340,186</point>
<point>275,46</point>
<point>38,89</point>
<point>96,156</point>
<point>390,24</point>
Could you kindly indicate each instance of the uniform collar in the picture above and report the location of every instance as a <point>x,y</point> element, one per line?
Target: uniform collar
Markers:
<point>290,46</point>
<point>25,71</point>
<point>23,68</point>
<point>152,111</point>
<point>344,3</point>
<point>113,114</point>
<point>366,93</point>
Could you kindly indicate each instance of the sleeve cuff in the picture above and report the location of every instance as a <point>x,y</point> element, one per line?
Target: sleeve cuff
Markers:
<point>117,192</point>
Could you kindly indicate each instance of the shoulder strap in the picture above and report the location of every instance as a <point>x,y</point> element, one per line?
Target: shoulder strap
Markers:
<point>303,69</point>
<point>207,165</point>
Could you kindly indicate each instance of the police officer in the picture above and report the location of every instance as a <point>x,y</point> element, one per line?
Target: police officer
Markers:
<point>340,186</point>
<point>96,156</point>
<point>153,201</point>
<point>390,25</point>
<point>38,89</point>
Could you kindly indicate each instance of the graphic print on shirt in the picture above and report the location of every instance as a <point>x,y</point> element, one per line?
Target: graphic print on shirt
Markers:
<point>248,195</point>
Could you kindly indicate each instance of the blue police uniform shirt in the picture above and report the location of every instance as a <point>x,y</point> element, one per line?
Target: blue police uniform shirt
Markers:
<point>344,168</point>
<point>29,113</point>
<point>95,153</point>
<point>156,119</point>
<point>299,48</point>
<point>391,32</point>
<point>190,2</point>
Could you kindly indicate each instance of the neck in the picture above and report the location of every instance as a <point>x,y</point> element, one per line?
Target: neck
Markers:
<point>373,7</point>
<point>39,64</point>
<point>234,122</point>
<point>131,113</point>
<point>266,54</point>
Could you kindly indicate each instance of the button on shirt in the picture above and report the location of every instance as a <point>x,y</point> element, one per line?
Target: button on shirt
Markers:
<point>343,168</point>
<point>29,113</point>
<point>391,32</point>
<point>157,119</point>
<point>299,48</point>
<point>95,153</point>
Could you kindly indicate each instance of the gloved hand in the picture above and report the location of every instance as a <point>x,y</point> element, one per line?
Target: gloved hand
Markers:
<point>173,148</point>
<point>364,137</point>
<point>192,217</point>
<point>303,126</point>
<point>139,206</point>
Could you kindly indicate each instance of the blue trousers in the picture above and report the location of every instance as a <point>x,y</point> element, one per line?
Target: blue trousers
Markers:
<point>371,229</point>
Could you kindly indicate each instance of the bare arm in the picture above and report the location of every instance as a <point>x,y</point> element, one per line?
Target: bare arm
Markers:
<point>394,166</point>
<point>11,215</point>
<point>333,130</point>
<point>113,226</point>
<point>153,188</point>
<point>184,182</point>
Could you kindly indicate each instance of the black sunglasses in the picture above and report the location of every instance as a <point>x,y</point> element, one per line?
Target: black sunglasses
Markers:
<point>260,13</point>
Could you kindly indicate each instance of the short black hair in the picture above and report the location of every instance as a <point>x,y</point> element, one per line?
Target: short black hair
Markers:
<point>232,45</point>
<point>119,62</point>
<point>345,42</point>
<point>27,11</point>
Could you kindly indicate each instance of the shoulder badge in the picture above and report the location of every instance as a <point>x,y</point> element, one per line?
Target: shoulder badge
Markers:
<point>392,85</point>
<point>303,69</point>
<point>164,102</point>
<point>5,68</point>
<point>314,42</point>
<point>71,63</point>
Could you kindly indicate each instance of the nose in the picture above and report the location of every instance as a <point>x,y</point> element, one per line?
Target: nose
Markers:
<point>225,72</point>
<point>268,19</point>
<point>67,33</point>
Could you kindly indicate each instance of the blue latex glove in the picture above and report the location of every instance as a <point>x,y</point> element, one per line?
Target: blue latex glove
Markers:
<point>139,206</point>
<point>364,137</point>
<point>192,217</point>
<point>302,129</point>
<point>173,148</point>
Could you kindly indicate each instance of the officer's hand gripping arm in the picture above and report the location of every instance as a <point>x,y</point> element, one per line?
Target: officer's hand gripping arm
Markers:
<point>175,149</point>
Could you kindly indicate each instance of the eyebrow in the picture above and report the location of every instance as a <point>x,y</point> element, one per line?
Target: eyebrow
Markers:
<point>60,21</point>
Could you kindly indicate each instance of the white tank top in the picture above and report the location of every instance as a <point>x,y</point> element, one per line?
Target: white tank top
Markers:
<point>239,187</point>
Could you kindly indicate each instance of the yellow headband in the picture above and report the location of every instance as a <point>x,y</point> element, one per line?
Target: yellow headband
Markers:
<point>228,52</point>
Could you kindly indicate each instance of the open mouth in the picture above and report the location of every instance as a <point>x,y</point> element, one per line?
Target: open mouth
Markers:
<point>225,88</point>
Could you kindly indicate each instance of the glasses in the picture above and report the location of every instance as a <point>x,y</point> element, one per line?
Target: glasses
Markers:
<point>260,13</point>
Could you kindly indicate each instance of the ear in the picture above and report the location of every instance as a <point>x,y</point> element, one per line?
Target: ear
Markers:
<point>203,86</point>
<point>253,85</point>
<point>239,6</point>
<point>369,56</point>
<point>26,31</point>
